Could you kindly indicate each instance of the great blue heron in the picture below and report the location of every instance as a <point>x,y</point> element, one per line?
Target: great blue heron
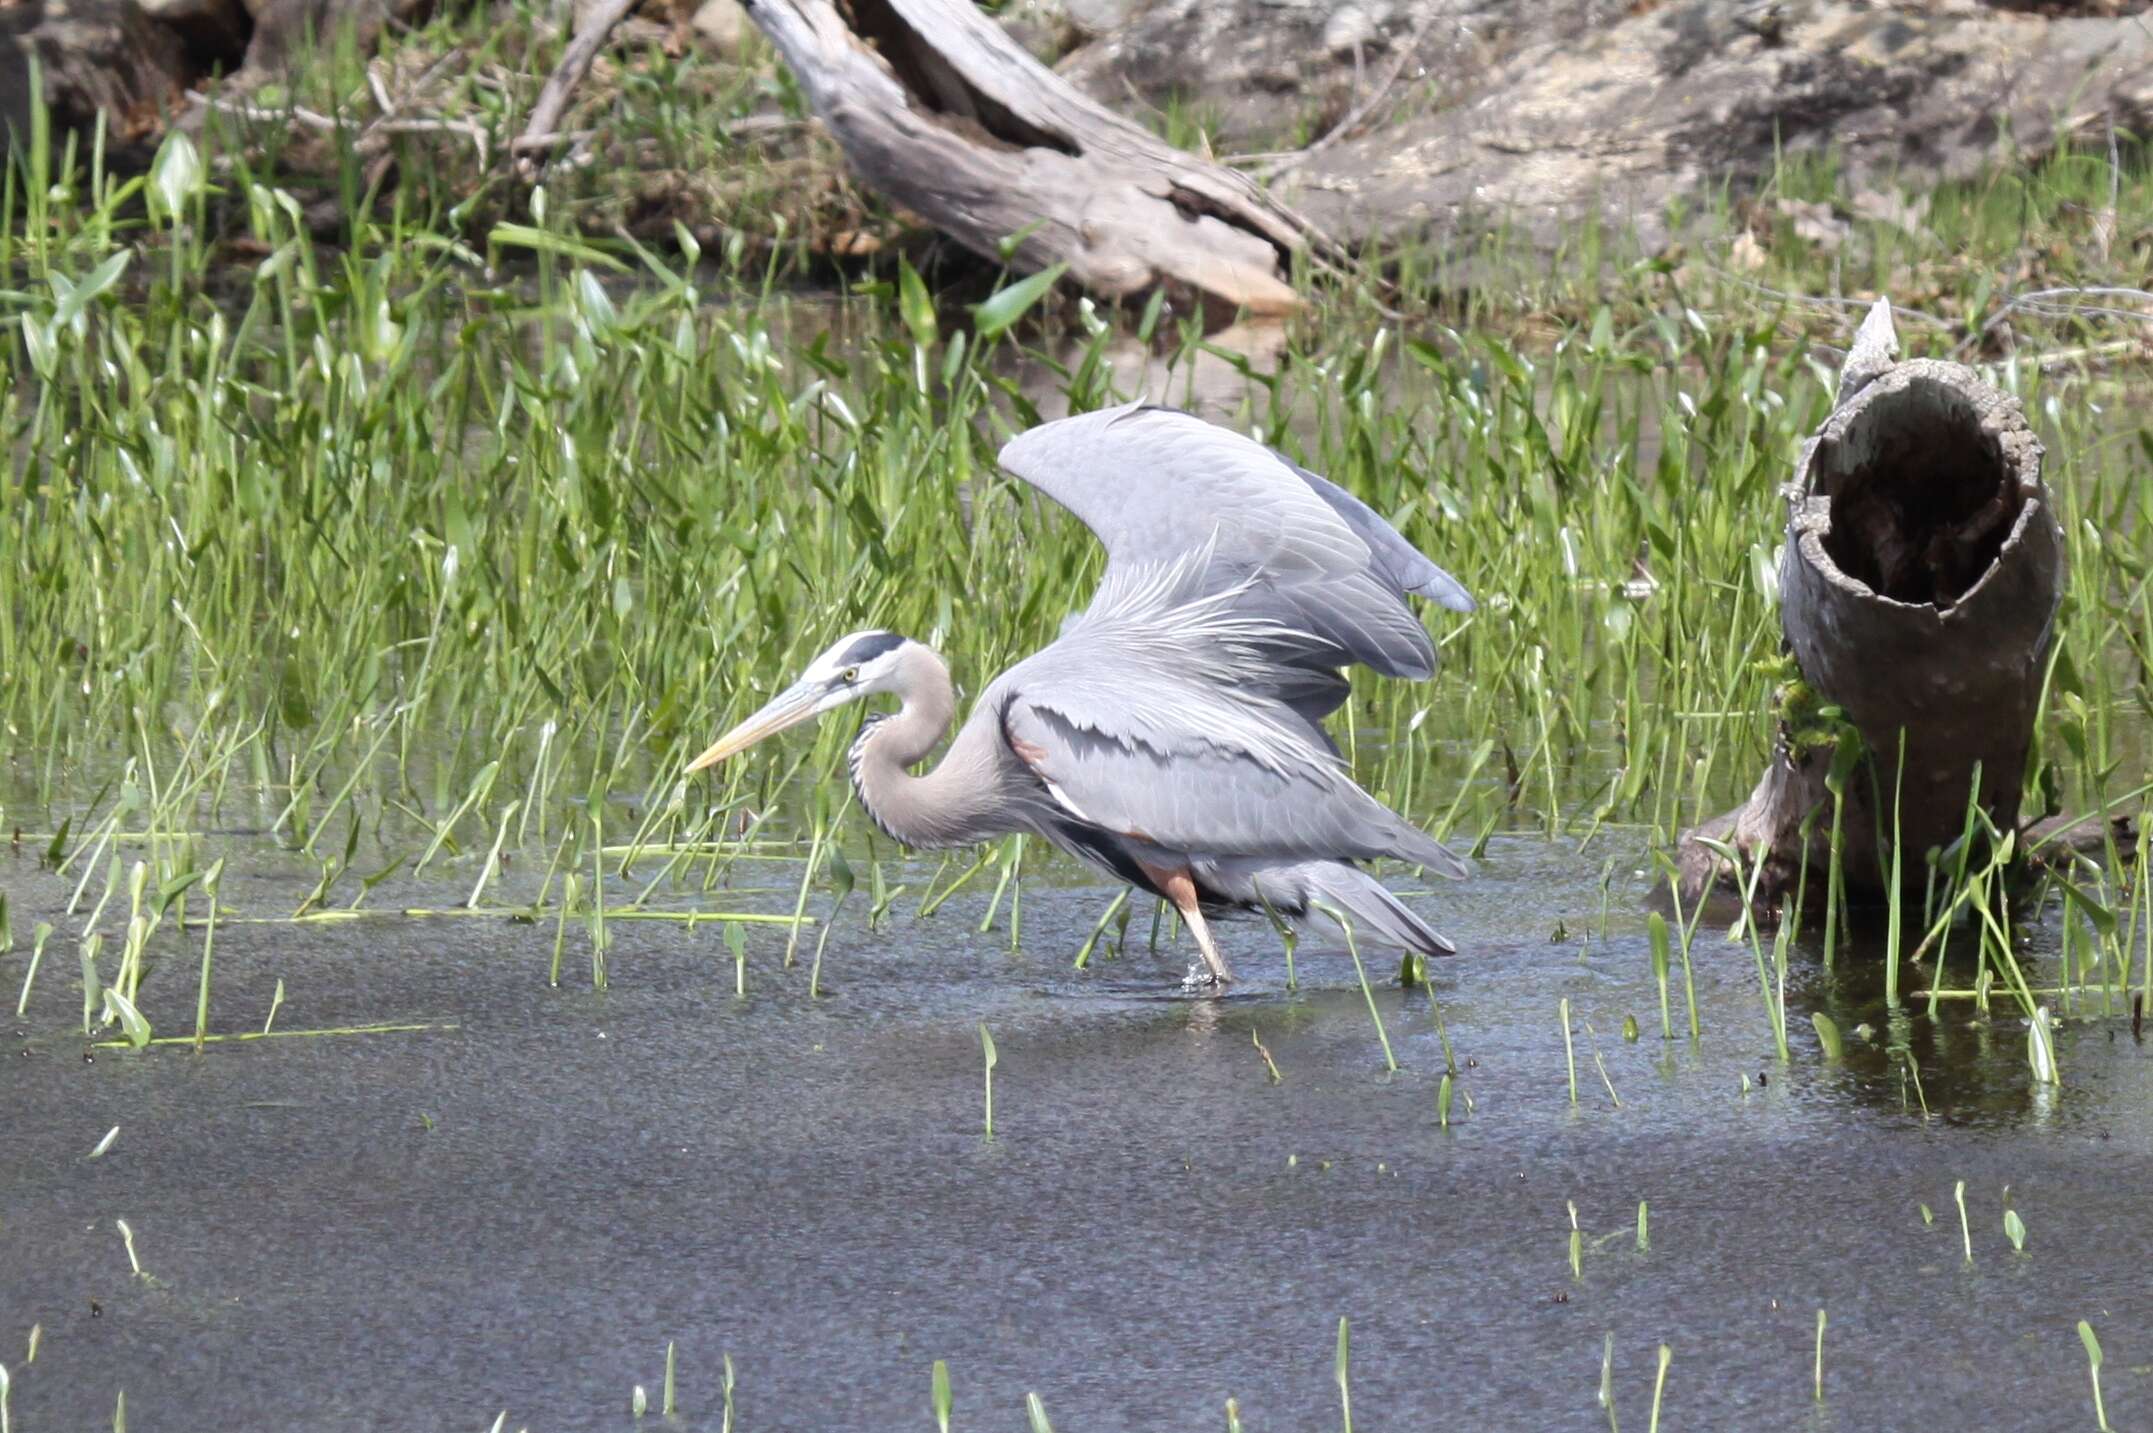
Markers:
<point>1172,735</point>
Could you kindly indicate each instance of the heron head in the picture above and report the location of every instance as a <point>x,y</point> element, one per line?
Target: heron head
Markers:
<point>857,665</point>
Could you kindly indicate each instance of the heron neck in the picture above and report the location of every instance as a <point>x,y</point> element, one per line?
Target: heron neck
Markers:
<point>950,805</point>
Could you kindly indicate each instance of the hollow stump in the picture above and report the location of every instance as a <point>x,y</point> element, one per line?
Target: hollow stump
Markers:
<point>1919,586</point>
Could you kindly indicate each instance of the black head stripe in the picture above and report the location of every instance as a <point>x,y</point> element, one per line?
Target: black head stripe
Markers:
<point>868,647</point>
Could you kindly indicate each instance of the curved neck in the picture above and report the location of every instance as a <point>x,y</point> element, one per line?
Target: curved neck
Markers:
<point>953,804</point>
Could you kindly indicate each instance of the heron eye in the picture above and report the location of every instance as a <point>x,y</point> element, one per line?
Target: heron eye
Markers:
<point>852,674</point>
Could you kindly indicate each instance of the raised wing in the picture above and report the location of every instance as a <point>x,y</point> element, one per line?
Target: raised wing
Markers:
<point>1155,485</point>
<point>1153,719</point>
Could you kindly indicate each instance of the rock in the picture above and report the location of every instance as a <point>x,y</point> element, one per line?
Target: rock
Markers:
<point>1099,17</point>
<point>1353,26</point>
<point>1251,66</point>
<point>1267,69</point>
<point>1661,104</point>
<point>721,25</point>
<point>1543,112</point>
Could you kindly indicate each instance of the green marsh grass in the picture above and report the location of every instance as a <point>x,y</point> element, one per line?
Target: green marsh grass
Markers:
<point>445,545</point>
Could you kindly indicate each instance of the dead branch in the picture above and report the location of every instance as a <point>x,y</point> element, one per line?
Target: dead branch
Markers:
<point>937,108</point>
<point>575,63</point>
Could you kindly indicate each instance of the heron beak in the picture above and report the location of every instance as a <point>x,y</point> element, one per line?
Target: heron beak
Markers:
<point>790,707</point>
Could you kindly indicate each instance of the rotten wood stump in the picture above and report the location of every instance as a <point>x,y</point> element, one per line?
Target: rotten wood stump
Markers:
<point>1918,593</point>
<point>938,109</point>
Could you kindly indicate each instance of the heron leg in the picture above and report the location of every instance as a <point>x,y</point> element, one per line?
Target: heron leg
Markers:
<point>1180,888</point>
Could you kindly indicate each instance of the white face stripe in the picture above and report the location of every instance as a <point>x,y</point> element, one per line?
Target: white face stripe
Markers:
<point>873,653</point>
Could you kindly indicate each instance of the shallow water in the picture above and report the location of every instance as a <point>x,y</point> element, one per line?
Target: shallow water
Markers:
<point>520,1207</point>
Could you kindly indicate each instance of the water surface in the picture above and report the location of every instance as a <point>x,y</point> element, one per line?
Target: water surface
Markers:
<point>520,1207</point>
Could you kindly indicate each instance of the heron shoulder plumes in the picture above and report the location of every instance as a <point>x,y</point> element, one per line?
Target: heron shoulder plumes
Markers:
<point>1172,735</point>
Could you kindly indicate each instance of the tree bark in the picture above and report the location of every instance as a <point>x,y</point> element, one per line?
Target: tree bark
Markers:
<point>1918,593</point>
<point>938,109</point>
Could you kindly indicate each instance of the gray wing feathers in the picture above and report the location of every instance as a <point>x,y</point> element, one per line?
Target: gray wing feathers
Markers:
<point>1183,707</point>
<point>1403,565</point>
<point>1155,484</point>
<point>1184,749</point>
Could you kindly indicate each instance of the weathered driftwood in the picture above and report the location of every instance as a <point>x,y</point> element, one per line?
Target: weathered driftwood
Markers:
<point>940,110</point>
<point>1918,593</point>
<point>541,132</point>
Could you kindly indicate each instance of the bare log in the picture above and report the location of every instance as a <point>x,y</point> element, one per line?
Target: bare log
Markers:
<point>1918,593</point>
<point>575,63</point>
<point>938,109</point>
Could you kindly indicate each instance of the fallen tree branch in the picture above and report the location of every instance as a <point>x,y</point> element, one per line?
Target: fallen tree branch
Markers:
<point>937,108</point>
<point>575,63</point>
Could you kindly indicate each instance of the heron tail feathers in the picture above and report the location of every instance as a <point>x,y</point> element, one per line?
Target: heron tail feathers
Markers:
<point>1377,916</point>
<point>1422,849</point>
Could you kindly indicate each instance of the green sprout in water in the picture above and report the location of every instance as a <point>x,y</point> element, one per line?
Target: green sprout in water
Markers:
<point>2093,1368</point>
<point>1569,1053</point>
<point>1339,1367</point>
<point>1607,1382</point>
<point>939,1396</point>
